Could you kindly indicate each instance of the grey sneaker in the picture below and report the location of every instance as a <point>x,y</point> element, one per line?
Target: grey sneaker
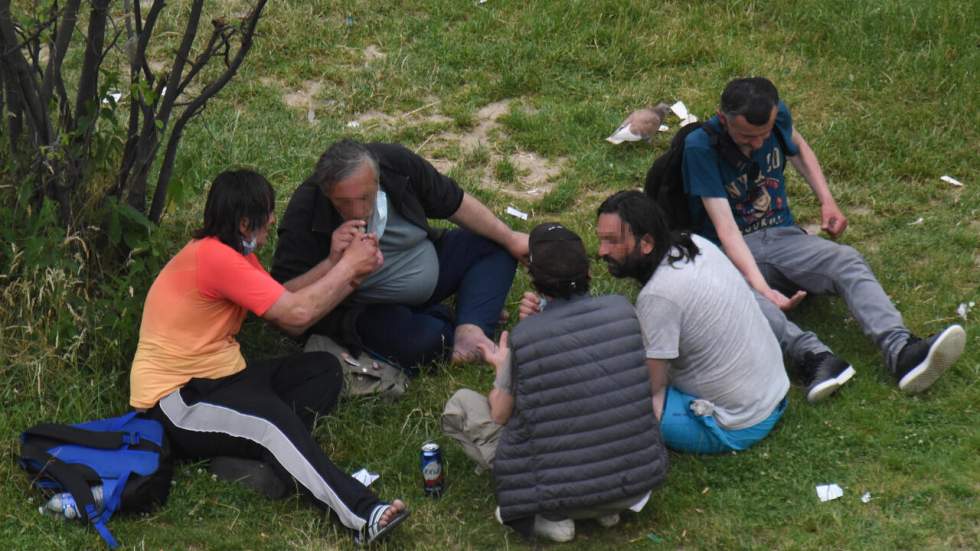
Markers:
<point>608,521</point>
<point>824,373</point>
<point>921,362</point>
<point>559,531</point>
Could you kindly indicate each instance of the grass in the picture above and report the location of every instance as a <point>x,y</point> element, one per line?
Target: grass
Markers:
<point>884,91</point>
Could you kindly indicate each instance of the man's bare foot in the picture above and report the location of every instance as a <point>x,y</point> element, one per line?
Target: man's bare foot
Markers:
<point>466,341</point>
<point>391,512</point>
<point>384,518</point>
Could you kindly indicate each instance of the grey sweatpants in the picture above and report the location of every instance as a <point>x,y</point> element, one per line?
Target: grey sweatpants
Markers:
<point>790,260</point>
<point>467,420</point>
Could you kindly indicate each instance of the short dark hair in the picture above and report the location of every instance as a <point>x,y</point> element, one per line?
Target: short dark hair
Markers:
<point>559,265</point>
<point>644,217</point>
<point>752,98</point>
<point>339,161</point>
<point>234,195</point>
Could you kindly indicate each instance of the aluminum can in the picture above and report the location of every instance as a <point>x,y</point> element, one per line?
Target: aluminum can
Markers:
<point>433,478</point>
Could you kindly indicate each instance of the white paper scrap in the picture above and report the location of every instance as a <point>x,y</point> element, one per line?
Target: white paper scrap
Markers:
<point>514,212</point>
<point>116,96</point>
<point>918,222</point>
<point>365,477</point>
<point>688,120</point>
<point>964,308</point>
<point>866,497</point>
<point>679,109</point>
<point>950,180</point>
<point>663,128</point>
<point>828,492</point>
<point>623,134</point>
<point>353,124</point>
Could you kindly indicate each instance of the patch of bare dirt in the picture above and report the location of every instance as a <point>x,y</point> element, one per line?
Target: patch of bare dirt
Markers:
<point>373,53</point>
<point>534,174</point>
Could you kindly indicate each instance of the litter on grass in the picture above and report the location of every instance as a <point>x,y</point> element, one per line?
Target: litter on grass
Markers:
<point>963,310</point>
<point>354,124</point>
<point>951,181</point>
<point>516,213</point>
<point>365,477</point>
<point>829,492</point>
<point>663,128</point>
<point>866,497</point>
<point>918,222</point>
<point>680,110</point>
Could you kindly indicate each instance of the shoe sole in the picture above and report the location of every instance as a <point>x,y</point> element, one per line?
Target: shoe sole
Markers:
<point>942,354</point>
<point>826,388</point>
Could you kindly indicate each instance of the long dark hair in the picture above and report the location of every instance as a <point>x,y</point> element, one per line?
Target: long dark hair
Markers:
<point>234,195</point>
<point>644,217</point>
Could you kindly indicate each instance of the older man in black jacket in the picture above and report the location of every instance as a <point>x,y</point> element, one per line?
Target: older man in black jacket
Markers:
<point>397,312</point>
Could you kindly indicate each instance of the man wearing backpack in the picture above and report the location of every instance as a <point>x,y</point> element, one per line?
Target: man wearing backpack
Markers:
<point>733,171</point>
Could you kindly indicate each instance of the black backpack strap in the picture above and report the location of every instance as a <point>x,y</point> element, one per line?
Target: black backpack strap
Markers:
<point>71,479</point>
<point>73,435</point>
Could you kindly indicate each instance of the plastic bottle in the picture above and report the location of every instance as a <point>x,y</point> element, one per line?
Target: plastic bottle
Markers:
<point>64,505</point>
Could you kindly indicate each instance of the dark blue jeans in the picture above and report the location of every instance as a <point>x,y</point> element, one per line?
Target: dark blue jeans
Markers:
<point>478,271</point>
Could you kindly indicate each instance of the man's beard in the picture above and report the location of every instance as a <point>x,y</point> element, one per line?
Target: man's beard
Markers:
<point>635,265</point>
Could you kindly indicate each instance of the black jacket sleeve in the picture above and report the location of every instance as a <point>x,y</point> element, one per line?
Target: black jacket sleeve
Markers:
<point>299,248</point>
<point>438,194</point>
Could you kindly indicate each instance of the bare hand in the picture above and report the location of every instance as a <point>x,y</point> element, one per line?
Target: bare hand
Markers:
<point>518,247</point>
<point>832,220</point>
<point>343,236</point>
<point>530,305</point>
<point>363,255</point>
<point>780,300</point>
<point>495,354</point>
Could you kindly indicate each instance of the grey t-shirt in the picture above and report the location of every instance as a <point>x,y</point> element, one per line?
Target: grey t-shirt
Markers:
<point>411,266</point>
<point>701,315</point>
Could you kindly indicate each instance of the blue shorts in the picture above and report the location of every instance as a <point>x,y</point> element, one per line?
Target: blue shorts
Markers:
<point>684,431</point>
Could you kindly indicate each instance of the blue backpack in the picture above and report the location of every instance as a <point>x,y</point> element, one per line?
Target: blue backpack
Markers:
<point>128,455</point>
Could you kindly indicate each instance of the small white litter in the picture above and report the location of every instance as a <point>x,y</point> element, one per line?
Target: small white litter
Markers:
<point>828,492</point>
<point>866,497</point>
<point>116,96</point>
<point>963,310</point>
<point>354,124</point>
<point>918,222</point>
<point>680,110</point>
<point>951,181</point>
<point>365,477</point>
<point>663,128</point>
<point>514,212</point>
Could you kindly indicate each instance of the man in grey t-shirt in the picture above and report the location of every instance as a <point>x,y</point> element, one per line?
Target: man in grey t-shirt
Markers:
<point>716,369</point>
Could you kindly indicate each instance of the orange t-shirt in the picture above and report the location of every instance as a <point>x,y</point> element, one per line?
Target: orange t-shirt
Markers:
<point>193,311</point>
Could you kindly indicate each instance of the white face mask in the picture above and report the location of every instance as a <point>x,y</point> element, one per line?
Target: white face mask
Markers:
<point>379,219</point>
<point>248,246</point>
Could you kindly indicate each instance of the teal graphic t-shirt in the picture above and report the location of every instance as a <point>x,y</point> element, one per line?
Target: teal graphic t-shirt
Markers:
<point>755,205</point>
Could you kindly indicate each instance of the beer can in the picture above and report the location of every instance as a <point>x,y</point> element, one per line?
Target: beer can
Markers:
<point>433,479</point>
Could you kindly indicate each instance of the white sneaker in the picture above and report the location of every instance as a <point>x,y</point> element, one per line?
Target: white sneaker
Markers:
<point>559,531</point>
<point>608,521</point>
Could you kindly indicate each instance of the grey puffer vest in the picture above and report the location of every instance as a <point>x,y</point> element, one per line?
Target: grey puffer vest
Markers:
<point>583,431</point>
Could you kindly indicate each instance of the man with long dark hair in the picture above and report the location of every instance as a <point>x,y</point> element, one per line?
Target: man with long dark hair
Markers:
<point>189,374</point>
<point>746,210</point>
<point>716,371</point>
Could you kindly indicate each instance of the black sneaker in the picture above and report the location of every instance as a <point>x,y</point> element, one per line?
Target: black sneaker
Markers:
<point>825,373</point>
<point>250,472</point>
<point>921,362</point>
